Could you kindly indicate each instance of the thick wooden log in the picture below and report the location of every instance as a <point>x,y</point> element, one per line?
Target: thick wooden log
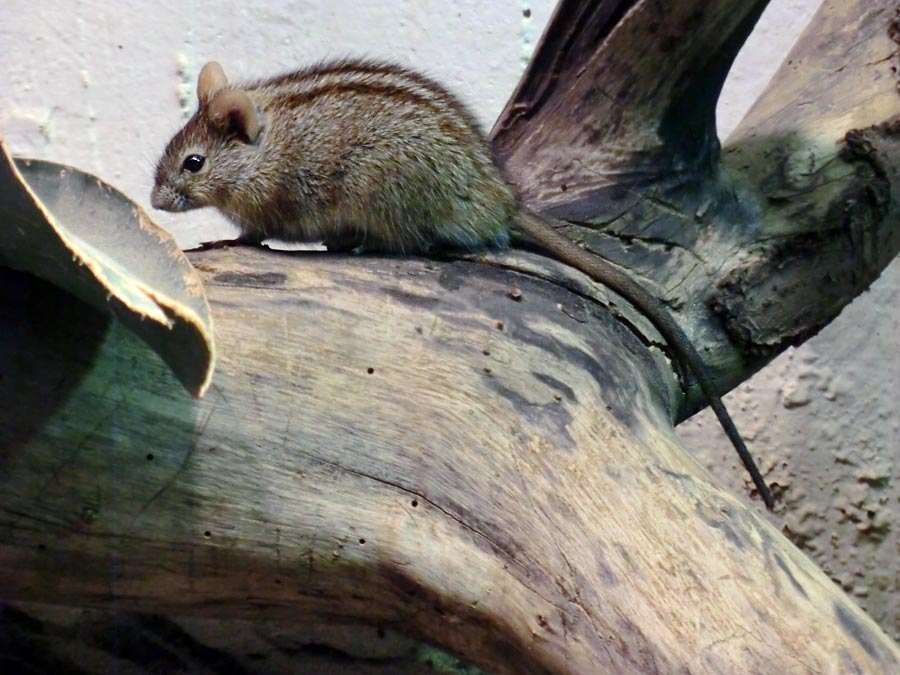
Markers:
<point>407,444</point>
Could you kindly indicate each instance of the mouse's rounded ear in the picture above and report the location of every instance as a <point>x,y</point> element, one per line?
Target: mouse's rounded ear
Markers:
<point>212,79</point>
<point>232,111</point>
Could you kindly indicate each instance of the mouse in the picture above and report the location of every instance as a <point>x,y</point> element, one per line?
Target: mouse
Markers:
<point>369,156</point>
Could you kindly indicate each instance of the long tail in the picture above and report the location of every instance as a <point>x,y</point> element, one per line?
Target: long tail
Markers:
<point>601,270</point>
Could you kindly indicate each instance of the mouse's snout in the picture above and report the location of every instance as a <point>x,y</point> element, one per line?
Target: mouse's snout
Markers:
<point>164,198</point>
<point>156,200</point>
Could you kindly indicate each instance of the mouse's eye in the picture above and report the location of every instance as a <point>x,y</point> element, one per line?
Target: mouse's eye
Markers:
<point>193,163</point>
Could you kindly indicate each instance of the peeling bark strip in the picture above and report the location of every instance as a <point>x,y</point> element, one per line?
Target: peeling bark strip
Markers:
<point>472,455</point>
<point>70,228</point>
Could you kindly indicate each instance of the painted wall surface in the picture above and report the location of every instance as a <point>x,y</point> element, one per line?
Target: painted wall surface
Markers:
<point>103,86</point>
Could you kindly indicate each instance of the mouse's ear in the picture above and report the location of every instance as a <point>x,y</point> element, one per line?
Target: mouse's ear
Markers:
<point>232,111</point>
<point>212,79</point>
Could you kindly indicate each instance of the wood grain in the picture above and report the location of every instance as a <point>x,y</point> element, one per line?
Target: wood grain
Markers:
<point>504,482</point>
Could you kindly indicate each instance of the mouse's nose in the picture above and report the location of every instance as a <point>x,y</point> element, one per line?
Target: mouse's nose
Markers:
<point>165,199</point>
<point>156,200</point>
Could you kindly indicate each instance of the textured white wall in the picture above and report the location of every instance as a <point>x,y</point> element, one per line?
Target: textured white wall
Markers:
<point>103,85</point>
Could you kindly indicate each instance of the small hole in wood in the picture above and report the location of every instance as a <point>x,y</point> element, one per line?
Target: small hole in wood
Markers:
<point>207,534</point>
<point>415,503</point>
<point>563,187</point>
<point>526,13</point>
<point>370,370</point>
<point>362,541</point>
<point>499,325</point>
<point>149,456</point>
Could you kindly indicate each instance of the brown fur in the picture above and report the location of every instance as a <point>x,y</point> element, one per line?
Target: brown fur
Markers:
<point>357,151</point>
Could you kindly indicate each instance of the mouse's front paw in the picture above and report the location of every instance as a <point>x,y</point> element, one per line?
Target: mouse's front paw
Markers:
<point>345,244</point>
<point>228,243</point>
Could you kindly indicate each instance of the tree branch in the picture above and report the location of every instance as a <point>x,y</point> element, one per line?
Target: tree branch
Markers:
<point>717,242</point>
<point>819,154</point>
<point>620,95</point>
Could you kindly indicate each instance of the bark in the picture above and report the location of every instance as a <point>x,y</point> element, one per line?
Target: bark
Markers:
<point>73,230</point>
<point>481,456</point>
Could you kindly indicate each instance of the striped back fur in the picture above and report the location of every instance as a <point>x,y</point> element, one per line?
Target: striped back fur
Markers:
<point>356,151</point>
